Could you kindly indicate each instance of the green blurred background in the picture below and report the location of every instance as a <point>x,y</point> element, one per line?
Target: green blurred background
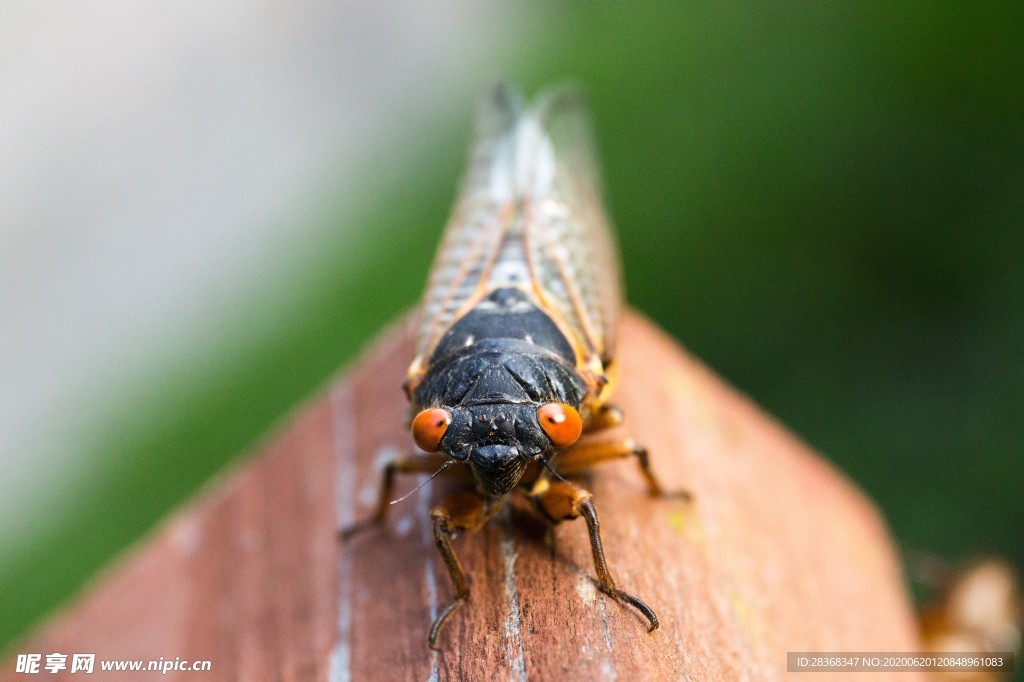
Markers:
<point>822,201</point>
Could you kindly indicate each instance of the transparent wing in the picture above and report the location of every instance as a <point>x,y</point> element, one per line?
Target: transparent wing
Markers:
<point>475,230</point>
<point>573,258</point>
<point>530,215</point>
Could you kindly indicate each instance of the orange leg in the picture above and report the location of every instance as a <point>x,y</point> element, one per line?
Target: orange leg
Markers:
<point>414,464</point>
<point>586,454</point>
<point>463,510</point>
<point>563,502</point>
<point>604,417</point>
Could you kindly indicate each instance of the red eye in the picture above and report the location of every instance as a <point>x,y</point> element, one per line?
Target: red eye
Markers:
<point>429,426</point>
<point>562,423</point>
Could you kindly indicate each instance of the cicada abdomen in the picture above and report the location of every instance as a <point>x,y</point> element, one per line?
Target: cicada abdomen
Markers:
<point>516,333</point>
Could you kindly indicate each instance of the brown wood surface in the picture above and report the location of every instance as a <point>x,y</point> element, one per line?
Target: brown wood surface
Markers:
<point>778,552</point>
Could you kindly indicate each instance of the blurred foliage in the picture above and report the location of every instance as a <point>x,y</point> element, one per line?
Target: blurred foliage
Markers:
<point>825,204</point>
<point>822,201</point>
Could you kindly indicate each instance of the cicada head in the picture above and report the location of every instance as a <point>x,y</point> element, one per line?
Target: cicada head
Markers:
<point>498,441</point>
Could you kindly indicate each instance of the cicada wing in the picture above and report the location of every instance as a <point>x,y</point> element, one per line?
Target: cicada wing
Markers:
<point>478,225</point>
<point>529,216</point>
<point>574,260</point>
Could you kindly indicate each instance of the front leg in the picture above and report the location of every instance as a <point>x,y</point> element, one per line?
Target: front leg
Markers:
<point>586,453</point>
<point>463,510</point>
<point>563,502</point>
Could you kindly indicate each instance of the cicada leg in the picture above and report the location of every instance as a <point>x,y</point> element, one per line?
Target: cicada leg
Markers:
<point>414,464</point>
<point>463,510</point>
<point>604,417</point>
<point>585,454</point>
<point>563,502</point>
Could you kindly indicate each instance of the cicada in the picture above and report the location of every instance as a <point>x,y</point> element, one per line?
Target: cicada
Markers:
<point>515,356</point>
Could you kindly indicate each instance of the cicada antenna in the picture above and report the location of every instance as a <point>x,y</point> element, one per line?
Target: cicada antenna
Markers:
<point>444,466</point>
<point>557,475</point>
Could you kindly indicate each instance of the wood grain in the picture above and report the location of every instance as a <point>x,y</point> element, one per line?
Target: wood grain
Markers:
<point>778,552</point>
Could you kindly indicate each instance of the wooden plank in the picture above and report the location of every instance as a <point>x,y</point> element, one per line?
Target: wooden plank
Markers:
<point>778,552</point>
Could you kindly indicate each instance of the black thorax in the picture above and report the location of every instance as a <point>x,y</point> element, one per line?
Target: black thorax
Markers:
<point>505,350</point>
